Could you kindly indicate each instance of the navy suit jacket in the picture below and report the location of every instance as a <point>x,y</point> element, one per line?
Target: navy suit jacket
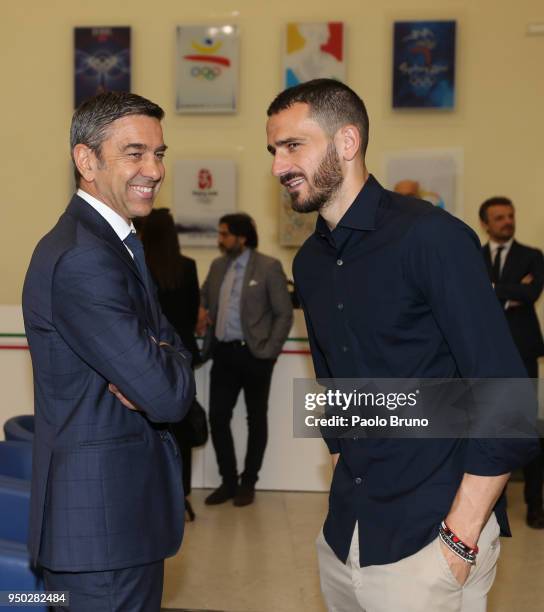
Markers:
<point>106,486</point>
<point>521,261</point>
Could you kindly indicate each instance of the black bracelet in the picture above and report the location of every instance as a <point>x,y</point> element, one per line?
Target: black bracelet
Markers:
<point>456,545</point>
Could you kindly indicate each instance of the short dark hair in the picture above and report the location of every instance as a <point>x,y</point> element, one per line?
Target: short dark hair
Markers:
<point>494,201</point>
<point>241,224</point>
<point>93,117</point>
<point>332,103</point>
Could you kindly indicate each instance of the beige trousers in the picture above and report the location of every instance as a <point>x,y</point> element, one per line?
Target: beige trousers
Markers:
<point>422,582</point>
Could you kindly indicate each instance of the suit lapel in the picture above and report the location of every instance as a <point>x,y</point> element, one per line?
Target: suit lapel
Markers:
<point>487,257</point>
<point>248,275</point>
<point>509,261</point>
<point>89,217</point>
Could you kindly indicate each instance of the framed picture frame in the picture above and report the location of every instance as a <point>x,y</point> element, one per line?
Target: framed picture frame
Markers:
<point>313,51</point>
<point>101,61</point>
<point>207,68</point>
<point>204,191</point>
<point>424,64</point>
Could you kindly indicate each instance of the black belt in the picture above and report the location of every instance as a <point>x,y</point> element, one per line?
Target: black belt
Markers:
<point>233,343</point>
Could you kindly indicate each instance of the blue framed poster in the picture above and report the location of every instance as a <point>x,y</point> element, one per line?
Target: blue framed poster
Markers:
<point>101,61</point>
<point>424,64</point>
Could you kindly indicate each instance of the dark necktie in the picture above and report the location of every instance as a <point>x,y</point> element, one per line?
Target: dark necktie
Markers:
<point>137,249</point>
<point>496,269</point>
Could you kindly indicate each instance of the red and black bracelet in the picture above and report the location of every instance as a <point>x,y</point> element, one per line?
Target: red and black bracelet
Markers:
<point>456,545</point>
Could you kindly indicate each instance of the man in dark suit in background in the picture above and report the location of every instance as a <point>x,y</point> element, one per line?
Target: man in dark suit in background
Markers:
<point>517,274</point>
<point>109,374</point>
<point>247,312</point>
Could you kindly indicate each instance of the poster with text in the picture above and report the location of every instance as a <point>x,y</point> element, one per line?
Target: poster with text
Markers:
<point>101,61</point>
<point>204,191</point>
<point>424,64</point>
<point>207,69</point>
<point>431,175</point>
<point>313,51</point>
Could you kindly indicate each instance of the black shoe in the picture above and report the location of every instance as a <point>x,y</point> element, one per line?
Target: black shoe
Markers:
<point>189,511</point>
<point>245,495</point>
<point>220,495</point>
<point>535,518</point>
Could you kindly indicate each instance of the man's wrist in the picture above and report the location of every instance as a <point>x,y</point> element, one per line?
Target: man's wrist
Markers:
<point>468,530</point>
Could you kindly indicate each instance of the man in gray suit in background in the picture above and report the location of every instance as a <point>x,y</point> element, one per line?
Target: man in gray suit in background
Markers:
<point>246,313</point>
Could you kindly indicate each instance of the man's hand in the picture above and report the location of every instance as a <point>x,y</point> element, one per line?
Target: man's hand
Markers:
<point>113,389</point>
<point>202,322</point>
<point>526,280</point>
<point>458,567</point>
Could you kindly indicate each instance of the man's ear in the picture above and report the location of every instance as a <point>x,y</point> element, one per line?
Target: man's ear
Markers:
<point>85,161</point>
<point>348,142</point>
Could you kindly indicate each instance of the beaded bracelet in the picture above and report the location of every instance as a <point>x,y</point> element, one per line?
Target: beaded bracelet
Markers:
<point>456,545</point>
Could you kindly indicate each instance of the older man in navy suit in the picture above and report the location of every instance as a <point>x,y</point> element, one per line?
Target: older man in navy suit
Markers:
<point>109,374</point>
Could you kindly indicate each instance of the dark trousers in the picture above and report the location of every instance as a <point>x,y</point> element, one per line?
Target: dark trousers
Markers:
<point>133,589</point>
<point>533,471</point>
<point>234,368</point>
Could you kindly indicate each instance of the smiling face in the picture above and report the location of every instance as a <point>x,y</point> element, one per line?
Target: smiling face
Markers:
<point>129,171</point>
<point>501,222</point>
<point>305,158</point>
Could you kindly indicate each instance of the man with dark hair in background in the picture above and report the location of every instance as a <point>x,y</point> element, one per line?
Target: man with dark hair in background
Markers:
<point>393,287</point>
<point>247,313</point>
<point>109,375</point>
<point>517,274</point>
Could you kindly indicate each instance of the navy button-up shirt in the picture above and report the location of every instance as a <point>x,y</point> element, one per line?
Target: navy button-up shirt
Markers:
<point>399,290</point>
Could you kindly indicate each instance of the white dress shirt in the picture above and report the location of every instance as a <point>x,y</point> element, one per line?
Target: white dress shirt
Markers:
<point>493,246</point>
<point>118,224</point>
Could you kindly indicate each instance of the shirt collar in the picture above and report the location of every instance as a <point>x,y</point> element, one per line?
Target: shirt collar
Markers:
<point>361,215</point>
<point>118,224</point>
<point>242,259</point>
<point>493,246</point>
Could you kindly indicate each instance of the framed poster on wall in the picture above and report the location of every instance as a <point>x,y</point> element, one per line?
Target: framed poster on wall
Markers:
<point>424,64</point>
<point>313,51</point>
<point>101,61</point>
<point>204,191</point>
<point>433,175</point>
<point>207,69</point>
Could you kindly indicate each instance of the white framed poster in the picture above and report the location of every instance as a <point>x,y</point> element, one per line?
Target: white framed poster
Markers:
<point>204,191</point>
<point>433,175</point>
<point>314,51</point>
<point>207,69</point>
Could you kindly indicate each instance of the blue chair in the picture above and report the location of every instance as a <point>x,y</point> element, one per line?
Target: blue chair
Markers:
<point>16,460</point>
<point>16,573</point>
<point>20,428</point>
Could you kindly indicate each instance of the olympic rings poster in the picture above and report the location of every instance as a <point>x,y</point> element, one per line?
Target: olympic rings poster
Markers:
<point>101,61</point>
<point>424,64</point>
<point>207,69</point>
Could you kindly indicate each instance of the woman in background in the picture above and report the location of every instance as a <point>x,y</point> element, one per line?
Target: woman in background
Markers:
<point>179,297</point>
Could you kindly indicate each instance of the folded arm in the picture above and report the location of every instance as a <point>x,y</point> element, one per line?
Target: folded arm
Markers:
<point>96,316</point>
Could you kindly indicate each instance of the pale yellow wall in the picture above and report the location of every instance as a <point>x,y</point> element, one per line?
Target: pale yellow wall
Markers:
<point>497,122</point>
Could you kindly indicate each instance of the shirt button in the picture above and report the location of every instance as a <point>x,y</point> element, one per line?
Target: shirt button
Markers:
<point>358,480</point>
<point>339,262</point>
<point>344,349</point>
<point>340,306</point>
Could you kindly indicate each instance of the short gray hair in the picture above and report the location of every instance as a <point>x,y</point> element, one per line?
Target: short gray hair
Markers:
<point>93,117</point>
